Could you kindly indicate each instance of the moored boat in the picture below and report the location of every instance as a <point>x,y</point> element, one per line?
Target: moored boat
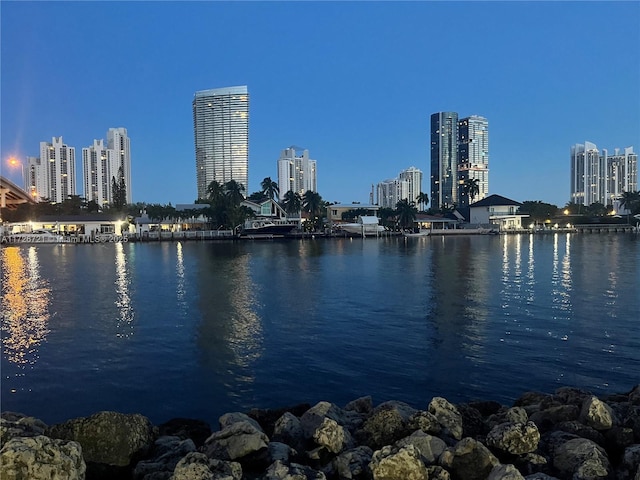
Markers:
<point>267,227</point>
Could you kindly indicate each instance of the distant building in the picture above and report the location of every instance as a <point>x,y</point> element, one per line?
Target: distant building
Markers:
<point>99,167</point>
<point>296,171</point>
<point>497,210</point>
<point>473,157</point>
<point>221,131</point>
<point>119,142</point>
<point>599,178</point>
<point>444,159</point>
<point>407,186</point>
<point>459,152</point>
<point>53,175</point>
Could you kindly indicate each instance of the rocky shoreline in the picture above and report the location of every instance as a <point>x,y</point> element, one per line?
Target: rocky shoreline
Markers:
<point>569,434</point>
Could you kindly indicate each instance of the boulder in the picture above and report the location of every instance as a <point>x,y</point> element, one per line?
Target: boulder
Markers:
<point>473,424</point>
<point>596,414</point>
<point>313,418</point>
<point>268,417</point>
<point>281,471</point>
<point>391,463</point>
<point>468,460</point>
<point>582,459</point>
<point>166,453</point>
<point>546,419</point>
<point>360,405</point>
<point>508,415</point>
<point>334,437</point>
<point>436,472</point>
<point>18,425</point>
<point>41,458</point>
<point>197,466</point>
<point>288,429</point>
<point>540,476</point>
<point>514,438</point>
<point>429,447</point>
<point>448,417</point>
<point>109,438</point>
<point>630,465</point>
<point>353,464</point>
<point>235,441</point>
<point>425,421</point>
<point>505,472</point>
<point>235,417</point>
<point>383,427</point>
<point>280,451</point>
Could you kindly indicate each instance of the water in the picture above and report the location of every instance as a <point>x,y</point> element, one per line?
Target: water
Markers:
<point>197,329</point>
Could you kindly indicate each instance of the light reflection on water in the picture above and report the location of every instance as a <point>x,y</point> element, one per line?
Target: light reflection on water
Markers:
<point>223,326</point>
<point>25,305</point>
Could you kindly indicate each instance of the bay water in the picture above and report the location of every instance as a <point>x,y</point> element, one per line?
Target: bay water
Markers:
<point>197,329</point>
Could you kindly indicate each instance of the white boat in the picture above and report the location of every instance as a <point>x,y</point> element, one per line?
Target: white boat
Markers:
<point>367,225</point>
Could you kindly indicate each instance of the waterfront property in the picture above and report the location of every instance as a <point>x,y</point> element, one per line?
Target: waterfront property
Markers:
<point>72,228</point>
<point>498,211</point>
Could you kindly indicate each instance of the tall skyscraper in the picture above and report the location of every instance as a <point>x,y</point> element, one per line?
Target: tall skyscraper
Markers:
<point>118,140</point>
<point>296,171</point>
<point>53,175</point>
<point>444,159</point>
<point>221,131</point>
<point>99,167</point>
<point>473,157</point>
<point>600,178</point>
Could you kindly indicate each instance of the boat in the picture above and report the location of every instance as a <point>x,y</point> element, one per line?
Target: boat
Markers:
<point>367,225</point>
<point>267,227</point>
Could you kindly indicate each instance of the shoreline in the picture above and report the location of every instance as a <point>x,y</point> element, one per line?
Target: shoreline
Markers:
<point>569,433</point>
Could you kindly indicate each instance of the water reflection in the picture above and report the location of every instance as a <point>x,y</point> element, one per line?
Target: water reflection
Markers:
<point>126,314</point>
<point>25,305</point>
<point>231,334</point>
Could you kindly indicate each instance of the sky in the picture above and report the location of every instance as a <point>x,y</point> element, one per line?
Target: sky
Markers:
<point>353,82</point>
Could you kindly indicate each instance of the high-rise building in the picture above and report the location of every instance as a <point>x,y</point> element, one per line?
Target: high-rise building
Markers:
<point>221,131</point>
<point>118,140</point>
<point>600,178</point>
<point>296,171</point>
<point>459,152</point>
<point>473,158</point>
<point>53,175</point>
<point>407,186</point>
<point>444,159</point>
<point>100,167</point>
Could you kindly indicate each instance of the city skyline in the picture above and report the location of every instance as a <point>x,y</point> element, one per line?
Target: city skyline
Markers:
<point>357,88</point>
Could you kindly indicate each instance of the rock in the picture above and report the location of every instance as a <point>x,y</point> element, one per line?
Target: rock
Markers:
<point>288,429</point>
<point>539,476</point>
<point>581,458</point>
<point>166,453</point>
<point>230,418</point>
<point>235,441</point>
<point>18,425</point>
<point>361,405</point>
<point>404,463</point>
<point>334,437</point>
<point>473,423</point>
<point>268,417</point>
<point>448,417</point>
<point>41,458</point>
<point>429,447</point>
<point>596,414</point>
<point>509,415</point>
<point>468,460</point>
<point>581,430</point>
<point>546,419</point>
<point>313,418</point>
<point>280,451</point>
<point>634,395</point>
<point>196,430</point>
<point>353,464</point>
<point>383,427</point>
<point>109,438</point>
<point>505,472</point>
<point>630,465</point>
<point>425,421</point>
<point>197,466</point>
<point>436,472</point>
<point>528,399</point>
<point>514,438</point>
<point>280,471</point>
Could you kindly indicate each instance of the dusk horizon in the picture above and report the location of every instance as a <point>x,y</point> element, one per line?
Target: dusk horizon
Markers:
<point>354,83</point>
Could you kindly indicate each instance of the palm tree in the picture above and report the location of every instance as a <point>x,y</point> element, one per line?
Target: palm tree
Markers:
<point>270,188</point>
<point>471,187</point>
<point>406,213</point>
<point>631,201</point>
<point>423,200</point>
<point>234,192</point>
<point>312,203</point>
<point>215,192</point>
<point>292,202</point>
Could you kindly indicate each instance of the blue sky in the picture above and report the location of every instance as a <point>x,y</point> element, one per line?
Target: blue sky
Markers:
<point>354,82</point>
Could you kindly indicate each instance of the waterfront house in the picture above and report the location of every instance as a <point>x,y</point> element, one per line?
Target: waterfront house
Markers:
<point>82,226</point>
<point>496,210</point>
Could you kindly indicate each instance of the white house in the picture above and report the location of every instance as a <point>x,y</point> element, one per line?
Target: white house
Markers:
<point>497,210</point>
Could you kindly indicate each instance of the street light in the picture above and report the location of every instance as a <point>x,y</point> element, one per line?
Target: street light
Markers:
<point>15,163</point>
